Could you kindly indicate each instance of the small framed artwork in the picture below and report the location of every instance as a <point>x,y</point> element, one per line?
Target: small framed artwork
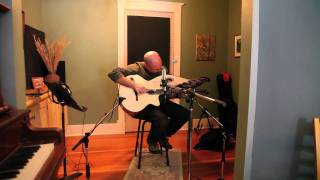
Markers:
<point>237,46</point>
<point>205,47</point>
<point>37,82</point>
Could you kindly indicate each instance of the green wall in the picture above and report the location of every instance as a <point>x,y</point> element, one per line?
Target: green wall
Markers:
<point>234,28</point>
<point>206,16</point>
<point>91,26</point>
<point>33,13</point>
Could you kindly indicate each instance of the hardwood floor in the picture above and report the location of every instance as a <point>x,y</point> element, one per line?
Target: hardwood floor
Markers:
<point>110,156</point>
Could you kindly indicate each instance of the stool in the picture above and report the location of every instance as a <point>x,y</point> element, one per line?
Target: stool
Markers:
<point>141,142</point>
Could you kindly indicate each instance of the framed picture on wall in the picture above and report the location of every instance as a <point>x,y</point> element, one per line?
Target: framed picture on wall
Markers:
<point>237,46</point>
<point>205,47</point>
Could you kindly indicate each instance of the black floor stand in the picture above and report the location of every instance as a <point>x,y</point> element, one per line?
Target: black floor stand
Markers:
<point>190,99</point>
<point>223,156</point>
<point>203,115</point>
<point>85,138</point>
<point>65,175</point>
<point>205,112</point>
<point>61,94</point>
<point>223,135</point>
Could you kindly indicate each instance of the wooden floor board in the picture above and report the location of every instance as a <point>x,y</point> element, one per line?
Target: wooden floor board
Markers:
<point>110,156</point>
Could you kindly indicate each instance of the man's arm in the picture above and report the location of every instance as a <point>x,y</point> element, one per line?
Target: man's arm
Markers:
<point>129,83</point>
<point>118,75</point>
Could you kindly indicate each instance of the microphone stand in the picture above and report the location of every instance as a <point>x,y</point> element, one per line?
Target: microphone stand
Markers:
<point>209,115</point>
<point>164,84</point>
<point>199,126</point>
<point>85,138</point>
<point>190,98</point>
<point>205,111</point>
<point>223,134</point>
<point>61,94</point>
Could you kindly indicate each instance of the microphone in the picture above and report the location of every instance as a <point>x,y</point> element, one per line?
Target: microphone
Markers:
<point>164,83</point>
<point>163,72</point>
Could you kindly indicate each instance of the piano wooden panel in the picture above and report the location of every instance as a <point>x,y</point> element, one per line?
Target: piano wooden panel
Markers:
<point>11,132</point>
<point>16,131</point>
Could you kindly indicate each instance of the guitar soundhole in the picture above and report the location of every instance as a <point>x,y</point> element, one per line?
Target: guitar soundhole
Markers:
<point>135,92</point>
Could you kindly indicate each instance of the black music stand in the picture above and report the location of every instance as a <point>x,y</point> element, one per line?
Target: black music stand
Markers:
<point>85,139</point>
<point>62,94</point>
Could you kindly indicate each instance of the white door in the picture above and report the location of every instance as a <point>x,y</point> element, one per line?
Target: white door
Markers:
<point>146,32</point>
<point>162,9</point>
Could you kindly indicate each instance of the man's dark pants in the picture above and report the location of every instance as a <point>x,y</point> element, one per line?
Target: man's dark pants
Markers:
<point>166,119</point>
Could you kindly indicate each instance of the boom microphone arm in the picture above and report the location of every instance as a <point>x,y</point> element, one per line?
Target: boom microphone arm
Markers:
<point>224,104</point>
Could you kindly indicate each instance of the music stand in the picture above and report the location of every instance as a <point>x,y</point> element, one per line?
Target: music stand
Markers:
<point>85,139</point>
<point>63,96</point>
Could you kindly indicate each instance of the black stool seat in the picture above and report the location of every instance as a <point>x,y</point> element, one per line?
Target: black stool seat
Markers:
<point>141,142</point>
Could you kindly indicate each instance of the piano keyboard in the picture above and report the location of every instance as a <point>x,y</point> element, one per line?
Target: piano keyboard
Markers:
<point>26,162</point>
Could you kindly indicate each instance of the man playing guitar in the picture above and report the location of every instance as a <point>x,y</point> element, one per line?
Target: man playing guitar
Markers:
<point>167,118</point>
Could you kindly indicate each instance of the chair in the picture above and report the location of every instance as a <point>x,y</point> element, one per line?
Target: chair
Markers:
<point>317,145</point>
<point>141,142</point>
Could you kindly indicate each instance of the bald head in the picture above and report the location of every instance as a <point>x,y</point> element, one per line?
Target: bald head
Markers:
<point>153,62</point>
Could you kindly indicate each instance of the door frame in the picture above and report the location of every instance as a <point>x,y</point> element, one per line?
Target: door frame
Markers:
<point>250,12</point>
<point>155,9</point>
<point>169,15</point>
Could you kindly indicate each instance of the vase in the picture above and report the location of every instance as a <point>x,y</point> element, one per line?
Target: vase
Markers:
<point>52,78</point>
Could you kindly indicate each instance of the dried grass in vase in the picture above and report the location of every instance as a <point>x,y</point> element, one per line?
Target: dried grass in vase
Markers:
<point>51,54</point>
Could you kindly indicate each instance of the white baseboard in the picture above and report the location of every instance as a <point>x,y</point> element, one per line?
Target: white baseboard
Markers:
<point>107,129</point>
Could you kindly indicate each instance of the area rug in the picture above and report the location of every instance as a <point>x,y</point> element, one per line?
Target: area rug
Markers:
<point>154,167</point>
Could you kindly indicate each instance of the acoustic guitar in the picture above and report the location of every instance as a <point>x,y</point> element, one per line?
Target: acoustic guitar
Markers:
<point>135,102</point>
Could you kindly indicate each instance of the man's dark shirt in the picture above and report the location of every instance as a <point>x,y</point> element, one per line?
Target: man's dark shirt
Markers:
<point>132,69</point>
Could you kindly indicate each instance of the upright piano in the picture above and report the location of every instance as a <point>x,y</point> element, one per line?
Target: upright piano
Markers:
<point>27,152</point>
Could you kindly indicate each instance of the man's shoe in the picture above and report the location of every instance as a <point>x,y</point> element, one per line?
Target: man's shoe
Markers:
<point>165,143</point>
<point>153,146</point>
<point>154,149</point>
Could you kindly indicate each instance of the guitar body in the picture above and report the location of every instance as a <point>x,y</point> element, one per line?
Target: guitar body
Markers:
<point>136,103</point>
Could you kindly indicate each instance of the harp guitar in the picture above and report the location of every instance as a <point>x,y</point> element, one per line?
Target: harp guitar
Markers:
<point>135,102</point>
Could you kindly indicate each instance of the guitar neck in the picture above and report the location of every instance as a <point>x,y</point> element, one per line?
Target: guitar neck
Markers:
<point>154,91</point>
<point>160,91</point>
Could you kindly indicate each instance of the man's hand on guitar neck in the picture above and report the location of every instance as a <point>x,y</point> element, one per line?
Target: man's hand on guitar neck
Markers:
<point>125,81</point>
